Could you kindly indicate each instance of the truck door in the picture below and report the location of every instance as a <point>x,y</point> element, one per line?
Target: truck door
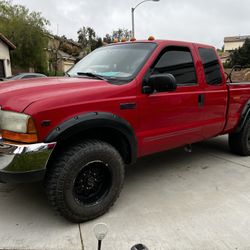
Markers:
<point>215,93</point>
<point>172,119</point>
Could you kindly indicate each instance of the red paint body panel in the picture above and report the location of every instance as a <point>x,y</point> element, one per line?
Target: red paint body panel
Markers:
<point>238,96</point>
<point>162,114</point>
<point>160,121</point>
<point>90,96</point>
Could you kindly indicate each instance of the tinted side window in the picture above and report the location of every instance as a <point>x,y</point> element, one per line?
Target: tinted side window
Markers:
<point>177,61</point>
<point>211,66</point>
<point>28,76</point>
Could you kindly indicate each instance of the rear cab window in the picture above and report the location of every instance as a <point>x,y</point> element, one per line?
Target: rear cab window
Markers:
<point>211,66</point>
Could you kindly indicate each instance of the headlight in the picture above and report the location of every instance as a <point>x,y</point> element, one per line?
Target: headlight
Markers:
<point>15,122</point>
<point>17,127</point>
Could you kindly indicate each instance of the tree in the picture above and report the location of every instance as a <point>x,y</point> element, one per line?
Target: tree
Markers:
<point>88,39</point>
<point>99,43</point>
<point>107,39</point>
<point>121,33</point>
<point>118,34</point>
<point>83,36</point>
<point>26,30</point>
<point>241,56</point>
<point>92,40</point>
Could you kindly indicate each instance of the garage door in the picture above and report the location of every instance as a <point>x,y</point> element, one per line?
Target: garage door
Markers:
<point>2,72</point>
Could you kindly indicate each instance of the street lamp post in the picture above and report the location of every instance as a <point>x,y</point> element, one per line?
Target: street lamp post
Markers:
<point>133,14</point>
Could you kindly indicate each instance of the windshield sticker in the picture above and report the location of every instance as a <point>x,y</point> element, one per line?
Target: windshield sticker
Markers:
<point>109,73</point>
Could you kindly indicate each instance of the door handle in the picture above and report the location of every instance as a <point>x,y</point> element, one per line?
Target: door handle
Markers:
<point>201,100</point>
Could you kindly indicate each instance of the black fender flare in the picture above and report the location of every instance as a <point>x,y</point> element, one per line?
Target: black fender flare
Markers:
<point>245,114</point>
<point>91,120</point>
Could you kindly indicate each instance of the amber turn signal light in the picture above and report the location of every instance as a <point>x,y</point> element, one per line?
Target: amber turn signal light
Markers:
<point>19,137</point>
<point>31,128</point>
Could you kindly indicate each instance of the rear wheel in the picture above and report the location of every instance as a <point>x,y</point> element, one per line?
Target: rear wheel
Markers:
<point>85,181</point>
<point>239,143</point>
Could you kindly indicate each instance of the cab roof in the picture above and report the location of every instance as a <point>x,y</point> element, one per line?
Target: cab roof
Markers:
<point>166,42</point>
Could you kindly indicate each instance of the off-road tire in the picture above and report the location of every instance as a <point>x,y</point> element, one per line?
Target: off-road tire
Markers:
<point>63,174</point>
<point>239,143</point>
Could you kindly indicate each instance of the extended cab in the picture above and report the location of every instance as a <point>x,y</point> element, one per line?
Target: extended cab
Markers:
<point>120,102</point>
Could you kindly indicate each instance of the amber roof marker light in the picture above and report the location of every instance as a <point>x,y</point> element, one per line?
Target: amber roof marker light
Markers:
<point>133,14</point>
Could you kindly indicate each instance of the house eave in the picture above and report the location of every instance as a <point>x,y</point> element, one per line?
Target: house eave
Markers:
<point>7,42</point>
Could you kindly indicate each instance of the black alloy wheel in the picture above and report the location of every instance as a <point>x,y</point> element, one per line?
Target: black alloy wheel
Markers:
<point>92,183</point>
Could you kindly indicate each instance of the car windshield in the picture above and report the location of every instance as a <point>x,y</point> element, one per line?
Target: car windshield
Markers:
<point>120,62</point>
<point>14,77</point>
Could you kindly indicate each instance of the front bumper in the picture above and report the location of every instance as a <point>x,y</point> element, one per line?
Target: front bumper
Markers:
<point>24,163</point>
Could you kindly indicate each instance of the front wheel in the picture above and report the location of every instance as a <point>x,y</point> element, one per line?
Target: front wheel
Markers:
<point>85,181</point>
<point>239,143</point>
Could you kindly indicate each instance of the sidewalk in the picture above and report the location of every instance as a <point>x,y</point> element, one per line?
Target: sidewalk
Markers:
<point>172,200</point>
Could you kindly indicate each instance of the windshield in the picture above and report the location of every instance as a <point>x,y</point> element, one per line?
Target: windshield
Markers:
<point>14,77</point>
<point>121,61</point>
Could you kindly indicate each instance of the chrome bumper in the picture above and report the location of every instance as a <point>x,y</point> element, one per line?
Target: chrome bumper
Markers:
<point>24,163</point>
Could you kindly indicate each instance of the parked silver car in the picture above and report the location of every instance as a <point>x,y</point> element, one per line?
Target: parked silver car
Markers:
<point>23,76</point>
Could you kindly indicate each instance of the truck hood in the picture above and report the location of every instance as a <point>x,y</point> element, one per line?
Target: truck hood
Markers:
<point>18,95</point>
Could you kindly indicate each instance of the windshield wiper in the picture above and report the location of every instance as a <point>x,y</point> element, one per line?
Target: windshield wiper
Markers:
<point>90,74</point>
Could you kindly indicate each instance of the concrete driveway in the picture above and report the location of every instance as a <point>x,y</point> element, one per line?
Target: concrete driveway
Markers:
<point>172,200</point>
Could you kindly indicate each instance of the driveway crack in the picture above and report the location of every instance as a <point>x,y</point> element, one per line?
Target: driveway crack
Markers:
<point>222,158</point>
<point>80,231</point>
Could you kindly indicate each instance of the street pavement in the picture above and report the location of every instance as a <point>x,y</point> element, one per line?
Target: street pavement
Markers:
<point>171,200</point>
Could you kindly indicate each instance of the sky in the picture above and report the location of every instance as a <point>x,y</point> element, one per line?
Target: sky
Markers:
<point>187,20</point>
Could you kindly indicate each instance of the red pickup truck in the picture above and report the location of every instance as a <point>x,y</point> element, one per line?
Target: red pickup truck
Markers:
<point>121,102</point>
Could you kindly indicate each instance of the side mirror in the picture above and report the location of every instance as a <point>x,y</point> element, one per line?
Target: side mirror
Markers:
<point>160,83</point>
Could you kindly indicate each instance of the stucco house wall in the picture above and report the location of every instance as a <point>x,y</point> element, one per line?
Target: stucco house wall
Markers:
<point>229,46</point>
<point>5,56</point>
<point>234,42</point>
<point>5,47</point>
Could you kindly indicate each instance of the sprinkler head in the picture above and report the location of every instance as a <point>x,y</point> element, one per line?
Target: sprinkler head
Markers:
<point>139,247</point>
<point>100,231</point>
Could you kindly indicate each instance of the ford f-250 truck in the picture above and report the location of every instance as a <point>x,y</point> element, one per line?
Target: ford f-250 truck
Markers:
<point>121,102</point>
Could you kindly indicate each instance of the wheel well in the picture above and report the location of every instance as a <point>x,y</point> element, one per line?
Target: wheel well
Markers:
<point>109,135</point>
<point>244,117</point>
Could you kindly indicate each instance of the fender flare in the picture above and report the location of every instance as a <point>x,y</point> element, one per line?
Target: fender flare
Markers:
<point>244,116</point>
<point>86,121</point>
